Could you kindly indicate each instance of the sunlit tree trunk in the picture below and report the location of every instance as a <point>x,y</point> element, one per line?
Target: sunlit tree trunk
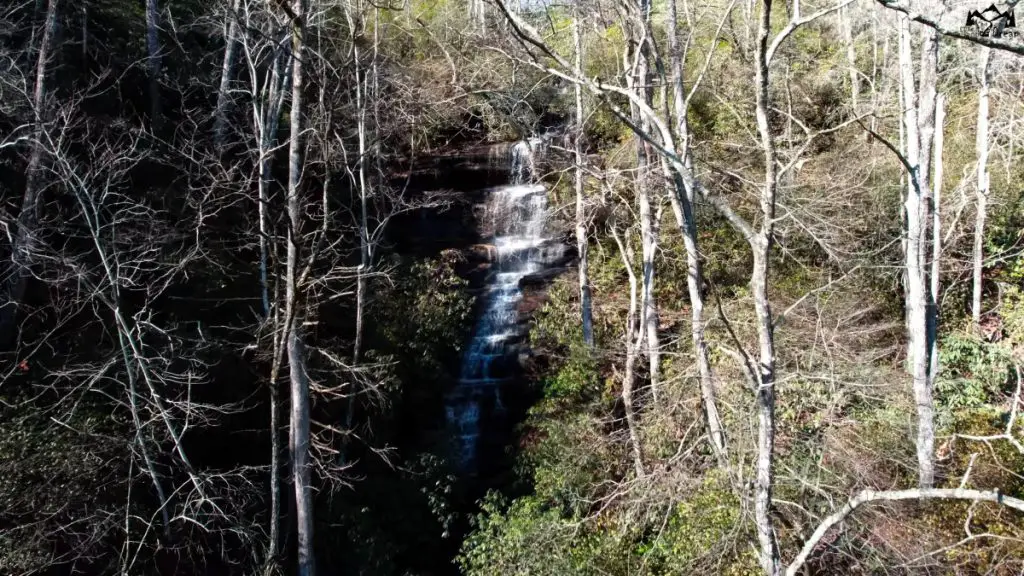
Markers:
<point>364,240</point>
<point>634,338</point>
<point>940,120</point>
<point>586,311</point>
<point>982,191</point>
<point>761,244</point>
<point>846,27</point>
<point>916,294</point>
<point>648,225</point>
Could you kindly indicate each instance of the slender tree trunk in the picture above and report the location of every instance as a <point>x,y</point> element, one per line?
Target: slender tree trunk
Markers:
<point>266,112</point>
<point>147,460</point>
<point>940,120</point>
<point>586,310</point>
<point>85,34</point>
<point>761,245</point>
<point>649,304</point>
<point>299,379</point>
<point>846,25</point>
<point>633,347</point>
<point>648,225</point>
<point>928,103</point>
<point>982,192</point>
<point>364,240</point>
<point>153,65</point>
<point>226,74</point>
<point>682,206</point>
<point>31,201</point>
<point>916,295</point>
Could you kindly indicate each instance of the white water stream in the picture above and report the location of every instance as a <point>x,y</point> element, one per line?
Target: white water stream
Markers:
<point>517,214</point>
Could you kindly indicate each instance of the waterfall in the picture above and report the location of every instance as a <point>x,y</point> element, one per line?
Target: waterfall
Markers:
<point>515,216</point>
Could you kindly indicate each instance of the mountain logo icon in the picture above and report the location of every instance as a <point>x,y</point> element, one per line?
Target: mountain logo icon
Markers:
<point>991,21</point>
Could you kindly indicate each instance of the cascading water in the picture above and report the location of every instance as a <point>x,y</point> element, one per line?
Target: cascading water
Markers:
<point>516,216</point>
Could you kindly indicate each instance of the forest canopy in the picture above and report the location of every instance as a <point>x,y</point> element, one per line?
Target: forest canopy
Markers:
<point>491,287</point>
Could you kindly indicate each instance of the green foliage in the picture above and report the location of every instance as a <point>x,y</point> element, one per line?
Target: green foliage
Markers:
<point>975,372</point>
<point>699,532</point>
<point>425,315</point>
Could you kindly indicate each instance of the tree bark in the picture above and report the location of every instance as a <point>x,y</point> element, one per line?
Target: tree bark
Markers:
<point>982,191</point>
<point>940,120</point>
<point>298,377</point>
<point>761,245</point>
<point>31,200</point>
<point>917,294</point>
<point>586,310</point>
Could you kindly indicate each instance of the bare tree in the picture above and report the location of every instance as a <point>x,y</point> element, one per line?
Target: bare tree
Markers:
<point>940,120</point>
<point>640,80</point>
<point>682,200</point>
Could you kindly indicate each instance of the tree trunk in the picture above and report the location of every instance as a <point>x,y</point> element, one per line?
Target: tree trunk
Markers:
<point>648,225</point>
<point>153,61</point>
<point>916,294</point>
<point>682,207</point>
<point>846,25</point>
<point>586,310</point>
<point>632,349</point>
<point>226,74</point>
<point>31,201</point>
<point>761,245</point>
<point>940,120</point>
<point>266,113</point>
<point>982,192</point>
<point>299,379</point>
<point>85,34</point>
<point>364,240</point>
